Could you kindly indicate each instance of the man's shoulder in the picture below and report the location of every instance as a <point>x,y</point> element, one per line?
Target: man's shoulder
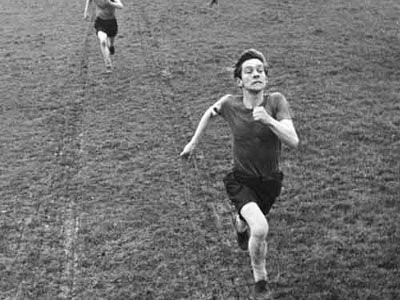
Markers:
<point>276,96</point>
<point>230,99</point>
<point>227,103</point>
<point>279,106</point>
<point>276,99</point>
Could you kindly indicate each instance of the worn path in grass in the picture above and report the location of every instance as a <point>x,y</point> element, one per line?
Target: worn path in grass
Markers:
<point>96,203</point>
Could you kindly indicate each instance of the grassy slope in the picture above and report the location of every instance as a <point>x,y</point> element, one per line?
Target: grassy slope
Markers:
<point>96,203</point>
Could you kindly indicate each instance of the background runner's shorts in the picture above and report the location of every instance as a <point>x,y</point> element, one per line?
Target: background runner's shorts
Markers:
<point>243,189</point>
<point>110,27</point>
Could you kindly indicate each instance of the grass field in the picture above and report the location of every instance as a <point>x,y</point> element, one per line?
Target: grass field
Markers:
<point>95,201</point>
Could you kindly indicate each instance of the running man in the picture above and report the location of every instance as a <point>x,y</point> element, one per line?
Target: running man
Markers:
<point>259,122</point>
<point>106,26</point>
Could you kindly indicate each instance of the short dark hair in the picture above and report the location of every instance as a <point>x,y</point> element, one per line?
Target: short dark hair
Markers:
<point>246,55</point>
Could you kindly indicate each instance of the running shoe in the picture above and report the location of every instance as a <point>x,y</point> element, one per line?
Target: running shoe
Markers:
<point>112,50</point>
<point>261,291</point>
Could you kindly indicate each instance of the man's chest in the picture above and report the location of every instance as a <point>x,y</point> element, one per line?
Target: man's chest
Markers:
<point>244,126</point>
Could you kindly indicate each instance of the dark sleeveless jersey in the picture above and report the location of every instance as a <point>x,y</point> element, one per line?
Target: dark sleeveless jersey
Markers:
<point>256,148</point>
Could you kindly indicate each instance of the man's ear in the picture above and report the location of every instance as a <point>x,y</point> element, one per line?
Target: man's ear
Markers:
<point>239,82</point>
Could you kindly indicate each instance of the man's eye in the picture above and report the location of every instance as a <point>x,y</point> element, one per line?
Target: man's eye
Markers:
<point>260,69</point>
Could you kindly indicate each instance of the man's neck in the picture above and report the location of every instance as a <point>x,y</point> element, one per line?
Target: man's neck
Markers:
<point>251,100</point>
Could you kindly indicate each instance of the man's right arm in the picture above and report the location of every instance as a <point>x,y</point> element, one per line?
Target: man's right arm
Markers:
<point>209,114</point>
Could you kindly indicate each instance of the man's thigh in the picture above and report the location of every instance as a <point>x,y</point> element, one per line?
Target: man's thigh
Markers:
<point>254,217</point>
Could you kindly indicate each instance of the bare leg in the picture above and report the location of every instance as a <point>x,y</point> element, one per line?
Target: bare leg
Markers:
<point>104,48</point>
<point>257,243</point>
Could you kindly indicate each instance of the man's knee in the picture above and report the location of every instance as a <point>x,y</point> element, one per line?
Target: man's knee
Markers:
<point>102,38</point>
<point>260,230</point>
<point>256,220</point>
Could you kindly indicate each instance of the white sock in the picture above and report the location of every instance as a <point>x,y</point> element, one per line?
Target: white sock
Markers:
<point>258,253</point>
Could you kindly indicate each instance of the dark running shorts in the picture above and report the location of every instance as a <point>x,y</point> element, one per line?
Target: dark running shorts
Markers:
<point>110,27</point>
<point>242,189</point>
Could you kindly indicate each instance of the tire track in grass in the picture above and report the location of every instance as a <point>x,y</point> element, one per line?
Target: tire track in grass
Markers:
<point>125,201</point>
<point>70,158</point>
<point>214,224</point>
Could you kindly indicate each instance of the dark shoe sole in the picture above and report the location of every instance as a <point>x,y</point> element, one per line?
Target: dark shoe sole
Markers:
<point>261,291</point>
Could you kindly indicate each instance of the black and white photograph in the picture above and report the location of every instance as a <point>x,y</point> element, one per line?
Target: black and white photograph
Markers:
<point>200,150</point>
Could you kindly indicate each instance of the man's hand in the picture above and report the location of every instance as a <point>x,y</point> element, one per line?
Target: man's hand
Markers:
<point>188,150</point>
<point>260,114</point>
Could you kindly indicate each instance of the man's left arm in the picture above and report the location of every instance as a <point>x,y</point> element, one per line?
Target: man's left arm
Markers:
<point>282,126</point>
<point>86,12</point>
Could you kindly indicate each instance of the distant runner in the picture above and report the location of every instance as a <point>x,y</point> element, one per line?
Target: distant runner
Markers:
<point>106,26</point>
<point>259,122</point>
<point>213,2</point>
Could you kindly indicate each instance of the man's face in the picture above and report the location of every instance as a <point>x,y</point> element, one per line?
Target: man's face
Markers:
<point>253,75</point>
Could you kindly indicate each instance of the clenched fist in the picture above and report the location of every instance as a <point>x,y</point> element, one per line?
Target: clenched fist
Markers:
<point>260,114</point>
